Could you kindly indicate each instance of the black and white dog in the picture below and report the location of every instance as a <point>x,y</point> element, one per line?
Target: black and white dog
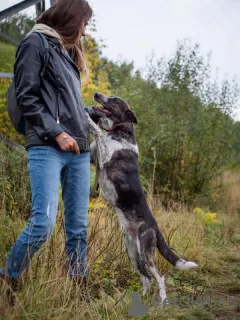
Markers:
<point>115,152</point>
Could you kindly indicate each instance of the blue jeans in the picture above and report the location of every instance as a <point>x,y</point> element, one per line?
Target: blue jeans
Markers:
<point>47,167</point>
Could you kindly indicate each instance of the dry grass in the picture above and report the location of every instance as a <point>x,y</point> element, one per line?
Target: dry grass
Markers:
<point>47,292</point>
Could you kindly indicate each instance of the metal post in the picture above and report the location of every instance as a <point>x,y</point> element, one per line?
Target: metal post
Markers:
<point>40,8</point>
<point>17,7</point>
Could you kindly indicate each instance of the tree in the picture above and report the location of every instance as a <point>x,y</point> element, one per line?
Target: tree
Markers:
<point>185,129</point>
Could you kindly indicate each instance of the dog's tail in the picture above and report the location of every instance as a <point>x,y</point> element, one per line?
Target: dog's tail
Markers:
<point>170,256</point>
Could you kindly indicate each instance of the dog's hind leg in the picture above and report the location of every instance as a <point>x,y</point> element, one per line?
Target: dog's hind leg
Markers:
<point>134,257</point>
<point>146,244</point>
<point>161,284</point>
<point>146,281</point>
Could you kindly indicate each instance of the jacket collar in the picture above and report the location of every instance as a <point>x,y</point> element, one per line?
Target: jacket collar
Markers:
<point>63,51</point>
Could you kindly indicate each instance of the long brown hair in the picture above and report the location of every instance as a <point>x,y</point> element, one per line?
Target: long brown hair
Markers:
<point>66,17</point>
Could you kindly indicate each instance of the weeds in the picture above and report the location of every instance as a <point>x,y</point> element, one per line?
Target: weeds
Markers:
<point>209,292</point>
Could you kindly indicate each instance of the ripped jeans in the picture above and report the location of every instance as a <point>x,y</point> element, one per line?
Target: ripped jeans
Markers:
<point>47,167</point>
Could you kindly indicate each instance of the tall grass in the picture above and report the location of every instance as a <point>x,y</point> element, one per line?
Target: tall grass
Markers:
<point>15,197</point>
<point>48,293</point>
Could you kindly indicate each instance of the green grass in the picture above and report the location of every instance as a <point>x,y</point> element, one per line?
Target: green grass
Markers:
<point>210,292</point>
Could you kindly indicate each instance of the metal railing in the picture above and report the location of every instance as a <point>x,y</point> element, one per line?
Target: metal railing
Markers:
<point>21,6</point>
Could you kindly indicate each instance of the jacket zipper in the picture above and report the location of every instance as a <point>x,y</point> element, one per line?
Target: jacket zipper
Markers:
<point>66,55</point>
<point>58,107</point>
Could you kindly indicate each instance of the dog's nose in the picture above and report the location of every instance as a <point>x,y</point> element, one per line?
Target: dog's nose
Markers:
<point>96,95</point>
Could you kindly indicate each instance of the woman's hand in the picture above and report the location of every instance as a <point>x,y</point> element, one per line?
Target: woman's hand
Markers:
<point>67,143</point>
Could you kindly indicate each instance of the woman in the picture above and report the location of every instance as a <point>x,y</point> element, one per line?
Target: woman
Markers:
<point>57,135</point>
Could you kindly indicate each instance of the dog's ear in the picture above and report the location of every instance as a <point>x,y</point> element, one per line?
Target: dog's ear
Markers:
<point>130,116</point>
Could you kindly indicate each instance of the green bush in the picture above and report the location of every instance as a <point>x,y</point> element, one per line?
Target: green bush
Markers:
<point>15,196</point>
<point>185,129</point>
<point>185,132</point>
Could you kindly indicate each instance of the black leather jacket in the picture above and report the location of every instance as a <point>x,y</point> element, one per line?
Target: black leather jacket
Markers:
<point>53,103</point>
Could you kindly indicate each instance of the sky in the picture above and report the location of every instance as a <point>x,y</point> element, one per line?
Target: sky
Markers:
<point>132,29</point>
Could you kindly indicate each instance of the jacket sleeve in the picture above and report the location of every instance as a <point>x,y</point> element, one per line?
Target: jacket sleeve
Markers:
<point>29,64</point>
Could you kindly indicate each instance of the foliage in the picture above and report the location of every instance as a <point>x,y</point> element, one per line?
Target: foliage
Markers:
<point>207,217</point>
<point>97,204</point>
<point>16,26</point>
<point>15,197</point>
<point>185,129</point>
<point>186,133</point>
<point>7,58</point>
<point>186,137</point>
<point>98,80</point>
<point>47,292</point>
